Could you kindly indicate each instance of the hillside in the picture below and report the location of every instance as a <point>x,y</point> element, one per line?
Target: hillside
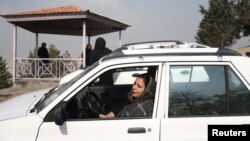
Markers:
<point>25,87</point>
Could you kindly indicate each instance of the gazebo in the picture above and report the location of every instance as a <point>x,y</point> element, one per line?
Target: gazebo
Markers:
<point>68,20</point>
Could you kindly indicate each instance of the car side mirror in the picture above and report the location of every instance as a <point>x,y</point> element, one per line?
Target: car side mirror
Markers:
<point>60,116</point>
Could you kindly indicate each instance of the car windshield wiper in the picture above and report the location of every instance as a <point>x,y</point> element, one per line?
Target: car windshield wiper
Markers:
<point>41,99</point>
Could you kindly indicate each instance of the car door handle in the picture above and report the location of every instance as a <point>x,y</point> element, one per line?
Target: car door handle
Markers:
<point>136,130</point>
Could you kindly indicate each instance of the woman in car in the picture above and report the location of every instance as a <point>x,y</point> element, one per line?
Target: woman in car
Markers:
<point>140,99</point>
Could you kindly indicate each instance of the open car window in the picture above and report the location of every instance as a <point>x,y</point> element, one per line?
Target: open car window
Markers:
<point>98,97</point>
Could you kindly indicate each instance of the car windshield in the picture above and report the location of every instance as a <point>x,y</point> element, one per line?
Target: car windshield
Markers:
<point>57,91</point>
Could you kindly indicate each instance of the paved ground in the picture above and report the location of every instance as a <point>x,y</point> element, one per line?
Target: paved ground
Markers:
<point>25,87</point>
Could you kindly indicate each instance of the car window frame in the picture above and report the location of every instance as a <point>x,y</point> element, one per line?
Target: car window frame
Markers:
<point>100,70</point>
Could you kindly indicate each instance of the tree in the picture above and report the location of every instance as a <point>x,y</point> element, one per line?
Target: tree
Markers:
<point>243,7</point>
<point>4,74</point>
<point>217,27</point>
<point>66,54</point>
<point>223,22</point>
<point>53,52</point>
<point>32,54</point>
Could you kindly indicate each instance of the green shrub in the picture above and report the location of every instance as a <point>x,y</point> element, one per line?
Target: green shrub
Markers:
<point>4,74</point>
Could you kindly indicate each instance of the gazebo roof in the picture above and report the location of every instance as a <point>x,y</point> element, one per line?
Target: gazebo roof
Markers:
<point>64,21</point>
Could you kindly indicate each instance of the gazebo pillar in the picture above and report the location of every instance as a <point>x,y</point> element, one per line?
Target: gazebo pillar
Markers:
<point>14,54</point>
<point>88,39</point>
<point>36,55</point>
<point>83,43</point>
<point>120,38</point>
<point>36,45</point>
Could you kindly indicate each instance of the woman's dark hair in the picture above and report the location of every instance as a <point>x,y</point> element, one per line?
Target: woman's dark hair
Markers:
<point>145,77</point>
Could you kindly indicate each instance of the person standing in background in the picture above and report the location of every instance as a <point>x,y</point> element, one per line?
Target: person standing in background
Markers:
<point>43,54</point>
<point>88,50</point>
<point>99,51</point>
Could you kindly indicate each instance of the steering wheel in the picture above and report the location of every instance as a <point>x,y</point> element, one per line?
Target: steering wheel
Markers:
<point>95,104</point>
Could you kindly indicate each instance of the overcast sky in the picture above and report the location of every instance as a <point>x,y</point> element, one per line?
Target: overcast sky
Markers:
<point>149,20</point>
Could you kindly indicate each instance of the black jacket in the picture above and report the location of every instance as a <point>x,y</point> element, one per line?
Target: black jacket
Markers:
<point>99,51</point>
<point>43,53</point>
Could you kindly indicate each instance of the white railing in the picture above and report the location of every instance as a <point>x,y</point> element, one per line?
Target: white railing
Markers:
<point>34,68</point>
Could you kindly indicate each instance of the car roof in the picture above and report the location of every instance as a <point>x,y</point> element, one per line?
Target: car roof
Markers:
<point>168,48</point>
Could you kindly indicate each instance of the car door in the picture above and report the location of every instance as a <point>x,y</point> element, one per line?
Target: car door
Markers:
<point>112,129</point>
<point>99,130</point>
<point>202,94</point>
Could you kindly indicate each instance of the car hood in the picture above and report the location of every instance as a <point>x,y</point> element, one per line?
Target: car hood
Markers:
<point>20,105</point>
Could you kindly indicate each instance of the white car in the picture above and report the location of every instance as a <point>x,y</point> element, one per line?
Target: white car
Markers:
<point>197,86</point>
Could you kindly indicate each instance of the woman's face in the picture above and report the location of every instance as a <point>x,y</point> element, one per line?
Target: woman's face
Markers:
<point>89,47</point>
<point>138,87</point>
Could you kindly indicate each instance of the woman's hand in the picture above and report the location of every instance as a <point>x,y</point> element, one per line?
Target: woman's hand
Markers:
<point>108,115</point>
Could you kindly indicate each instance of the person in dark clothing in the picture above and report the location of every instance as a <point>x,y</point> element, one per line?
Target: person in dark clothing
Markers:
<point>140,100</point>
<point>43,53</point>
<point>88,50</point>
<point>97,53</point>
